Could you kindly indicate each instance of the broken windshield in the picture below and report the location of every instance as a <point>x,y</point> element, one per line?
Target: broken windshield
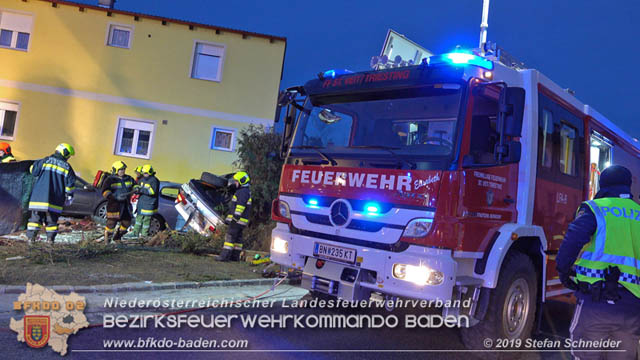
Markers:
<point>411,123</point>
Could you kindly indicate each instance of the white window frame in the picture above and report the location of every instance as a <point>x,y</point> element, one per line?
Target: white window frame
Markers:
<point>220,65</point>
<point>111,26</point>
<point>14,37</point>
<point>136,124</point>
<point>214,130</point>
<point>12,106</point>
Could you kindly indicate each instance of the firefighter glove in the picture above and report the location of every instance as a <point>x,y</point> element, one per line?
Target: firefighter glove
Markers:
<point>565,278</point>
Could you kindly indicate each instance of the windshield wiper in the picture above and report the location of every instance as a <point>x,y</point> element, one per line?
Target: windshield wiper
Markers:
<point>390,149</point>
<point>316,149</point>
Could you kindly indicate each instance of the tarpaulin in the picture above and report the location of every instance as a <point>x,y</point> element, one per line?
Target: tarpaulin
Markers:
<point>16,184</point>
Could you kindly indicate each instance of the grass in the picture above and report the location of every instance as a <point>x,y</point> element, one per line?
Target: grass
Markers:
<point>65,265</point>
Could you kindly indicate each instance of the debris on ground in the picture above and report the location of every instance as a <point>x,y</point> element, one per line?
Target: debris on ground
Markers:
<point>70,231</point>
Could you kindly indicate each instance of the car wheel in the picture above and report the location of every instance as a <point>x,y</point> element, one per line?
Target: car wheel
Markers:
<point>157,224</point>
<point>101,211</point>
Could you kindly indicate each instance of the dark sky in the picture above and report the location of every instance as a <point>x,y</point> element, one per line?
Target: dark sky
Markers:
<point>590,46</point>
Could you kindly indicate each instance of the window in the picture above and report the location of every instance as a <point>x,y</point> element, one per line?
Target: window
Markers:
<point>8,116</point>
<point>119,36</point>
<point>567,154</point>
<point>546,139</point>
<point>222,139</point>
<point>134,138</point>
<point>207,61</point>
<point>15,30</point>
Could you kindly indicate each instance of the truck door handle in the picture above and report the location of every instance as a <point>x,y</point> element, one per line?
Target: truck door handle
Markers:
<point>509,200</point>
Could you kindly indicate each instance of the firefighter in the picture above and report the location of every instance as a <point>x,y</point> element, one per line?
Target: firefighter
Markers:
<point>138,172</point>
<point>149,189</point>
<point>53,189</point>
<point>608,271</point>
<point>117,189</point>
<point>5,153</point>
<point>237,218</point>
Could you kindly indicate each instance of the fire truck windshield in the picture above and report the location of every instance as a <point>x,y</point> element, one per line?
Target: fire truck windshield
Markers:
<point>411,124</point>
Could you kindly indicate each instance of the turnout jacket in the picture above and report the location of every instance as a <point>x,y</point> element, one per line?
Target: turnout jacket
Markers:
<point>240,206</point>
<point>149,189</point>
<point>113,186</point>
<point>54,179</point>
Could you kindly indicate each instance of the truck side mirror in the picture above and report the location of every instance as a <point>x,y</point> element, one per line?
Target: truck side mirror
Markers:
<point>282,98</point>
<point>289,121</point>
<point>510,151</point>
<point>512,110</point>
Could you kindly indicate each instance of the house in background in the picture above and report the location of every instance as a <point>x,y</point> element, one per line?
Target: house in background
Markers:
<point>119,85</point>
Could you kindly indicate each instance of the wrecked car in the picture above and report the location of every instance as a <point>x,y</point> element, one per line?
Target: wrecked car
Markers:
<point>202,202</point>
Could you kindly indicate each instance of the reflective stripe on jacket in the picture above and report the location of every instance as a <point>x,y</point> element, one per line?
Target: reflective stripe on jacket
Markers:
<point>115,185</point>
<point>149,188</point>
<point>240,206</point>
<point>616,242</point>
<point>54,179</point>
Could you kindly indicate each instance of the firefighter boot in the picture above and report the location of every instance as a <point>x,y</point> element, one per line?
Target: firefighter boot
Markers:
<point>32,235</point>
<point>235,255</point>
<point>225,255</point>
<point>51,238</point>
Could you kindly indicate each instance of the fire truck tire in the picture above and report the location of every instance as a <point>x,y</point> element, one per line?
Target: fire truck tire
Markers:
<point>213,180</point>
<point>511,312</point>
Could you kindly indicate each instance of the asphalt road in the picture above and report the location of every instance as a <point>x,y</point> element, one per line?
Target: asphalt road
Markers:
<point>293,343</point>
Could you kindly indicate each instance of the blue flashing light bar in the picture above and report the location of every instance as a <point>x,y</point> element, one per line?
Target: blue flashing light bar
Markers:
<point>336,72</point>
<point>461,58</point>
<point>372,208</point>
<point>313,203</point>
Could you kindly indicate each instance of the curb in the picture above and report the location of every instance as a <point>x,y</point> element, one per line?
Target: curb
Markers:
<point>130,287</point>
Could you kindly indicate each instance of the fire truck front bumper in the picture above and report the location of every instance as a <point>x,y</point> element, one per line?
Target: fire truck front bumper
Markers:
<point>354,272</point>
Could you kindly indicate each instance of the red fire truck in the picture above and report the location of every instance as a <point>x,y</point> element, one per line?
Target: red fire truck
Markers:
<point>452,179</point>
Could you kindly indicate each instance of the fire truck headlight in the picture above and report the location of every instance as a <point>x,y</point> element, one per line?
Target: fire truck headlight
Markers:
<point>419,275</point>
<point>417,228</point>
<point>283,209</point>
<point>280,246</point>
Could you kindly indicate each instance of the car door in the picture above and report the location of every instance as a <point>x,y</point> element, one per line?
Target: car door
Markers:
<point>83,199</point>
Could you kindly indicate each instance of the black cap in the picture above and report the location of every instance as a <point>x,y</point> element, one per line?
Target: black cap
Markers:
<point>615,175</point>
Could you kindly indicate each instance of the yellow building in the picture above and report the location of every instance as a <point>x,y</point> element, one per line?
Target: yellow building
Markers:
<point>125,86</point>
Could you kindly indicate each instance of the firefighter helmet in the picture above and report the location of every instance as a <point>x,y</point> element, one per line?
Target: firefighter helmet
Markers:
<point>139,169</point>
<point>242,177</point>
<point>65,150</point>
<point>117,166</point>
<point>5,147</point>
<point>148,169</point>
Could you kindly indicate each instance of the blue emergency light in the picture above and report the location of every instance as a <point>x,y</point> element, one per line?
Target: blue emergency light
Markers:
<point>372,208</point>
<point>461,59</point>
<point>336,72</point>
<point>313,203</point>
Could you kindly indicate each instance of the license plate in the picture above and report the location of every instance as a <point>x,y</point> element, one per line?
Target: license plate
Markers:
<point>334,253</point>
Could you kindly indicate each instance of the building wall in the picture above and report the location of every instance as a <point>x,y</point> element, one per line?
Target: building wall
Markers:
<point>72,87</point>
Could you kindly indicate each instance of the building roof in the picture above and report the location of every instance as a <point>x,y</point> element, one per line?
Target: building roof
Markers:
<point>191,24</point>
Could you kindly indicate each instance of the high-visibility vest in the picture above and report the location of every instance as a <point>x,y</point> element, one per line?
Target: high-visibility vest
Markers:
<point>616,242</point>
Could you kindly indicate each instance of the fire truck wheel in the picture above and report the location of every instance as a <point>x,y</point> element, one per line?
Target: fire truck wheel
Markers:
<point>512,308</point>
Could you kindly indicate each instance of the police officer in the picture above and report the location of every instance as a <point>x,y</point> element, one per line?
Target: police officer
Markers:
<point>237,218</point>
<point>149,190</point>
<point>117,189</point>
<point>608,271</point>
<point>53,189</point>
